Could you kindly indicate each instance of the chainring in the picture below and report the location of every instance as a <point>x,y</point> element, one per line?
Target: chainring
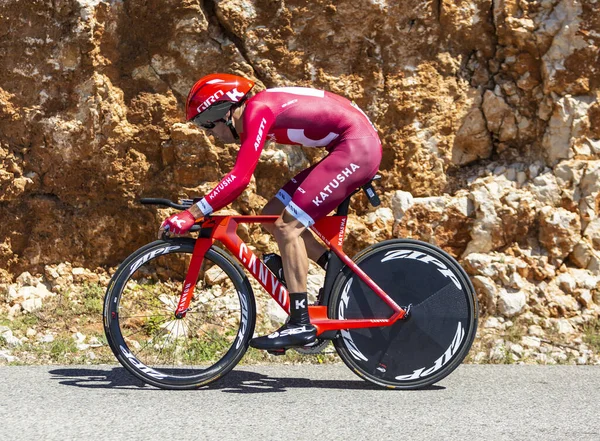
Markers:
<point>314,348</point>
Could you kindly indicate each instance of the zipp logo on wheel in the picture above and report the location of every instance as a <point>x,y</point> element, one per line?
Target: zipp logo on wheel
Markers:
<point>146,257</point>
<point>425,258</point>
<point>445,358</point>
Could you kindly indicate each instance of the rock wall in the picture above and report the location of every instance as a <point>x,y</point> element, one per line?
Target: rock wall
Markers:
<point>488,110</point>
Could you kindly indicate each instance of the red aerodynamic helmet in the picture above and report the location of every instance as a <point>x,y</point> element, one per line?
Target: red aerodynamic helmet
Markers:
<point>213,95</point>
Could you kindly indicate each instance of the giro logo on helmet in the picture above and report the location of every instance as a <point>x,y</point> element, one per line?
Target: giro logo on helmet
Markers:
<point>210,101</point>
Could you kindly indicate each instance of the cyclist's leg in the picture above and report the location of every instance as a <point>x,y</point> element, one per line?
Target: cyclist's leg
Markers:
<point>314,248</point>
<point>298,331</point>
<point>349,165</point>
<point>288,232</point>
<point>277,204</point>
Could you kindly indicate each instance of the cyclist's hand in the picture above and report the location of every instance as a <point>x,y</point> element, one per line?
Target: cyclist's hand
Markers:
<point>179,223</point>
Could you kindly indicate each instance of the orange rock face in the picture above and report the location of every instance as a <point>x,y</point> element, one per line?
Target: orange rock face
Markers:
<point>488,111</point>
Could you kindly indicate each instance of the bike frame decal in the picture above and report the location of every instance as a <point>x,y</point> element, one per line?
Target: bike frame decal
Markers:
<point>330,229</point>
<point>445,358</point>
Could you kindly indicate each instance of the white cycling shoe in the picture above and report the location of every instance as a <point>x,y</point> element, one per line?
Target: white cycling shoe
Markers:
<point>289,335</point>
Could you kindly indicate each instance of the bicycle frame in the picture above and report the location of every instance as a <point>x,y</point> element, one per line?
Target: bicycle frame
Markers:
<point>331,230</point>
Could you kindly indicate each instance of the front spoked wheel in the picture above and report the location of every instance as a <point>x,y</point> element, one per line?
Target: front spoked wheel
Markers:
<point>437,335</point>
<point>178,353</point>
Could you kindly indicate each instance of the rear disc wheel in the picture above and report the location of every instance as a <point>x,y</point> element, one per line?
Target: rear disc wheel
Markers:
<point>425,347</point>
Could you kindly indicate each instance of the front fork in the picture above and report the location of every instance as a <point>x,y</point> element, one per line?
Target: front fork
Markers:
<point>200,248</point>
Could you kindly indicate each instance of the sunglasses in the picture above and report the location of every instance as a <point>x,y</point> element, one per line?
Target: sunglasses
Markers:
<point>208,124</point>
<point>212,115</point>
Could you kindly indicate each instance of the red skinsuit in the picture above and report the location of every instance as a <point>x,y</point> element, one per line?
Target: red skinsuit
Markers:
<point>312,118</point>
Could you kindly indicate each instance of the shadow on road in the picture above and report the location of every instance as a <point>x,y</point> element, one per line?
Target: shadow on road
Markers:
<point>236,381</point>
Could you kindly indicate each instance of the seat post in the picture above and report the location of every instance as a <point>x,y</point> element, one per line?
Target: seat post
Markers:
<point>342,209</point>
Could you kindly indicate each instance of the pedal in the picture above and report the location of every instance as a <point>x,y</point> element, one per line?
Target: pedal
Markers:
<point>277,351</point>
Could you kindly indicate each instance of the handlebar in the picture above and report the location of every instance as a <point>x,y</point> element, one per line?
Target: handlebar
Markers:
<point>184,204</point>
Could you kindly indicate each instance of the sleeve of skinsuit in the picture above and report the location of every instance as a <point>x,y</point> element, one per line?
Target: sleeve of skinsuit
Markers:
<point>257,119</point>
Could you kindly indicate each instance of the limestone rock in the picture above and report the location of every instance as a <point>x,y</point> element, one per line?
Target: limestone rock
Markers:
<point>560,231</point>
<point>511,303</point>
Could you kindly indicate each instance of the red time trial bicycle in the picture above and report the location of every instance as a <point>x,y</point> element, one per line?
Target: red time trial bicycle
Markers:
<point>179,313</point>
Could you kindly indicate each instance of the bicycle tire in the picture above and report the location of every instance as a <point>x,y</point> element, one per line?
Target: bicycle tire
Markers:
<point>170,353</point>
<point>435,338</point>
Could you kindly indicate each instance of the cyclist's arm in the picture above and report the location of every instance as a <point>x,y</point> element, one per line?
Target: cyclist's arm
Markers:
<point>257,122</point>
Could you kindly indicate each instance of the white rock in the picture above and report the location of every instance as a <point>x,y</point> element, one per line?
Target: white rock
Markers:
<point>585,298</point>
<point>480,357</point>
<point>535,330</point>
<point>583,359</point>
<point>585,279</point>
<point>82,346</point>
<point>14,310</point>
<point>215,275</point>
<point>493,323</point>
<point>566,282</point>
<point>516,349</point>
<point>26,279</point>
<point>534,170</point>
<point>6,356</point>
<point>95,343</point>
<point>511,303</point>
<point>315,281</point>
<point>545,189</point>
<point>488,289</point>
<point>483,264</point>
<point>8,336</point>
<point>46,338</point>
<point>13,292</point>
<point>78,271</point>
<point>498,353</point>
<point>35,292</point>
<point>559,356</point>
<point>543,359</point>
<point>78,337</point>
<point>382,214</point>
<point>32,304</point>
<point>531,342</point>
<point>401,202</point>
<point>276,314</point>
<point>560,132</point>
<point>486,222</point>
<point>564,327</point>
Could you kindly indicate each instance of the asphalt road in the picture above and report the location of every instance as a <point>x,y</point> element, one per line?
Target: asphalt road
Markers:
<point>301,402</point>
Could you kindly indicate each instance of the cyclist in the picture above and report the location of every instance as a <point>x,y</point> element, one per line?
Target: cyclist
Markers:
<point>222,105</point>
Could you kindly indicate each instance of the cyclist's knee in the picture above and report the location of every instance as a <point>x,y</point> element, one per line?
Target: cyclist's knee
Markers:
<point>287,228</point>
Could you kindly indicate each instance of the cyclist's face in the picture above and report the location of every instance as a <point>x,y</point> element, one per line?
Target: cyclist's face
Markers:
<point>221,131</point>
